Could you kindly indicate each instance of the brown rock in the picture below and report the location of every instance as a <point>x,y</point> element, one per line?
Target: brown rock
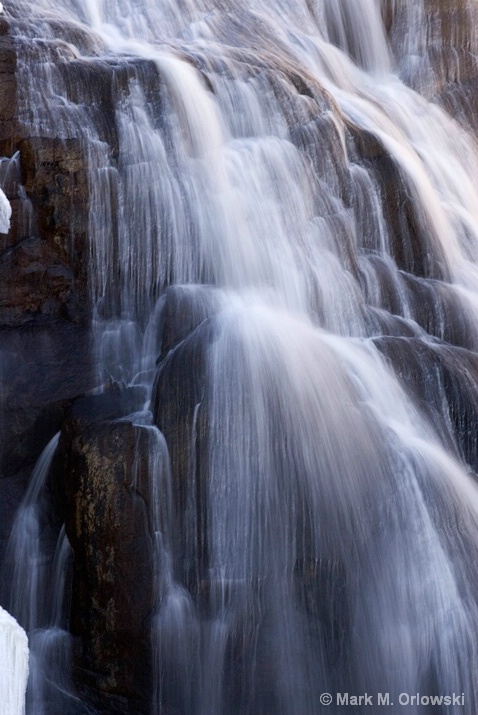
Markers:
<point>8,91</point>
<point>33,280</point>
<point>444,50</point>
<point>101,476</point>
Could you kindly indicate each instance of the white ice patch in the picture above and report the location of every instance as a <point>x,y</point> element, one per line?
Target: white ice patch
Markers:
<point>13,665</point>
<point>5,208</point>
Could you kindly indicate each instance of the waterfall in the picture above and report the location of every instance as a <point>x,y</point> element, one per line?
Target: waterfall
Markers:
<point>282,242</point>
<point>36,591</point>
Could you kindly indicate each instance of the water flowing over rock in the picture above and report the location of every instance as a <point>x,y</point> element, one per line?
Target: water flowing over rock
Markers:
<point>239,334</point>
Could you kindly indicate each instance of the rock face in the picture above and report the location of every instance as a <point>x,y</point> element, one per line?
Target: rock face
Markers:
<point>42,261</point>
<point>102,483</point>
<point>179,408</point>
<point>45,355</point>
<point>47,172</point>
<point>49,166</point>
<point>45,345</point>
<point>441,376</point>
<point>8,91</point>
<point>438,57</point>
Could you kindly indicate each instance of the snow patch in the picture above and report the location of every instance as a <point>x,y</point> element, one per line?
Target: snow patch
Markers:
<point>13,665</point>
<point>5,208</point>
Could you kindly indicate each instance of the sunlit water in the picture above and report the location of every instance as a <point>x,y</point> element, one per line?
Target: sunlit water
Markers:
<point>280,154</point>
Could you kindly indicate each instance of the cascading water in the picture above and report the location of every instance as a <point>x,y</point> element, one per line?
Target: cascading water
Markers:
<point>277,190</point>
<point>37,593</point>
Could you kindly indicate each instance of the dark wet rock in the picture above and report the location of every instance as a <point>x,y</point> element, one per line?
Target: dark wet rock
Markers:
<point>43,368</point>
<point>107,525</point>
<point>440,376</point>
<point>185,308</point>
<point>44,256</point>
<point>101,84</point>
<point>11,493</point>
<point>460,100</point>
<point>110,405</point>
<point>33,282</point>
<point>430,302</point>
<point>433,303</point>
<point>82,414</point>
<point>55,177</point>
<point>8,91</point>
<point>365,144</point>
<point>45,353</point>
<point>322,595</point>
<point>100,476</point>
<point>179,409</point>
<point>410,234</point>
